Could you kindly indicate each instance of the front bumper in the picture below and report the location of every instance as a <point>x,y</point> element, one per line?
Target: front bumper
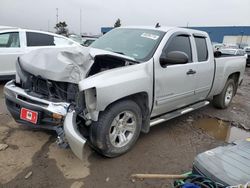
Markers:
<point>16,98</point>
<point>73,136</point>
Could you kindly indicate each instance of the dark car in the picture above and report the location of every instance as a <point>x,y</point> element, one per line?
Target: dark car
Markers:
<point>247,50</point>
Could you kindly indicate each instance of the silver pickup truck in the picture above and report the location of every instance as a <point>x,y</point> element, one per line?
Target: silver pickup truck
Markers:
<point>128,80</point>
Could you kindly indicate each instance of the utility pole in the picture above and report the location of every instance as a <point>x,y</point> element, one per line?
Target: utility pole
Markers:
<point>48,25</point>
<point>57,15</point>
<point>80,22</point>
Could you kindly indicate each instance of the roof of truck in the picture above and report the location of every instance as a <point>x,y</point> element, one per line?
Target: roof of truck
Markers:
<point>2,27</point>
<point>166,29</point>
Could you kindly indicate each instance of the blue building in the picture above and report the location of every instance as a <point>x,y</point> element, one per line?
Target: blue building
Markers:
<point>106,29</point>
<point>219,34</point>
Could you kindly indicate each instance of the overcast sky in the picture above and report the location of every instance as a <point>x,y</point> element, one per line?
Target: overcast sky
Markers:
<point>41,14</point>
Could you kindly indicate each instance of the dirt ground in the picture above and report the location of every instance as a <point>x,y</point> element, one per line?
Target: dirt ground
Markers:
<point>32,159</point>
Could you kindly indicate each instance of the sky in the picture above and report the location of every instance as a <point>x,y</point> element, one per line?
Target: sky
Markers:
<point>41,14</point>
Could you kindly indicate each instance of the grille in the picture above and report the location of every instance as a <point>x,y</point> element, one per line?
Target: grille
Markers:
<point>40,86</point>
<point>52,90</point>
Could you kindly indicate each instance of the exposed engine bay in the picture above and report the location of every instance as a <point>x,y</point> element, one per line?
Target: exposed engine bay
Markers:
<point>107,62</point>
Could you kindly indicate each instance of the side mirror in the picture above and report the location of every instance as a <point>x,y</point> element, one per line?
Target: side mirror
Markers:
<point>217,53</point>
<point>172,58</point>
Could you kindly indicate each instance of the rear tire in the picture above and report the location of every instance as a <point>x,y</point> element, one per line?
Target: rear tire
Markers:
<point>224,99</point>
<point>117,128</point>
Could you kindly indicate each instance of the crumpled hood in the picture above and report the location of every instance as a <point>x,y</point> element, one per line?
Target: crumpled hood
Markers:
<point>58,64</point>
<point>62,64</point>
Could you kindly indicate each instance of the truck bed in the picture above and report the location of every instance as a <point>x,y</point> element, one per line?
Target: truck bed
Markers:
<point>224,66</point>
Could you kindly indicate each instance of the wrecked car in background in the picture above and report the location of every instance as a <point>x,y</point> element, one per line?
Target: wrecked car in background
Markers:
<point>128,80</point>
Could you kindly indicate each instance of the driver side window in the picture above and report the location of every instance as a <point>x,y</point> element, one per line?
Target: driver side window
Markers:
<point>180,43</point>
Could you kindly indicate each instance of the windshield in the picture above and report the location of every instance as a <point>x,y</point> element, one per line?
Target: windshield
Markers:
<point>139,44</point>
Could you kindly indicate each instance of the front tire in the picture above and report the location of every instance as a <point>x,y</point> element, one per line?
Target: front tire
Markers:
<point>117,128</point>
<point>224,99</point>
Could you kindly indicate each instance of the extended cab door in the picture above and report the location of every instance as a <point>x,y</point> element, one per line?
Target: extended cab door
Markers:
<point>205,66</point>
<point>175,84</point>
<point>10,48</point>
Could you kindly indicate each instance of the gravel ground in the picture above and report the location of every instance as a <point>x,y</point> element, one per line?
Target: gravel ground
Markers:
<point>32,158</point>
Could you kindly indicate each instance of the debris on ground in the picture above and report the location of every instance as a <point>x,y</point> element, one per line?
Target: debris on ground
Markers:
<point>28,175</point>
<point>190,119</point>
<point>158,176</point>
<point>77,184</point>
<point>3,147</point>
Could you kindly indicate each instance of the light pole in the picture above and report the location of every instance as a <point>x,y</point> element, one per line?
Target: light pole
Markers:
<point>57,15</point>
<point>48,25</point>
<point>80,22</point>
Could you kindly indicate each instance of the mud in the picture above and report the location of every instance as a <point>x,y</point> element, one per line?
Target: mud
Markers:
<point>221,130</point>
<point>168,148</point>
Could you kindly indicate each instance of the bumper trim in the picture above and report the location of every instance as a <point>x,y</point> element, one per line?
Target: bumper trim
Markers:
<point>74,138</point>
<point>13,93</point>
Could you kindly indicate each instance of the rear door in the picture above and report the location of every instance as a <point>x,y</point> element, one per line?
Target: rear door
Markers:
<point>204,63</point>
<point>10,49</point>
<point>174,86</point>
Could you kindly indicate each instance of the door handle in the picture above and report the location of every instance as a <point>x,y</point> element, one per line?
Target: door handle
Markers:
<point>191,71</point>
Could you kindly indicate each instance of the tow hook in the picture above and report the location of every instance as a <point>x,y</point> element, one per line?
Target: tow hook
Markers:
<point>61,140</point>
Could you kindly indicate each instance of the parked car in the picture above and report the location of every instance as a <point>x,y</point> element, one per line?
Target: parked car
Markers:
<point>15,42</point>
<point>130,79</point>
<point>232,46</point>
<point>217,46</point>
<point>87,41</point>
<point>232,51</point>
<point>247,50</point>
<point>76,38</point>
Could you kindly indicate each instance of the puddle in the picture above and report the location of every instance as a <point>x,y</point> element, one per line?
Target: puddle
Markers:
<point>221,130</point>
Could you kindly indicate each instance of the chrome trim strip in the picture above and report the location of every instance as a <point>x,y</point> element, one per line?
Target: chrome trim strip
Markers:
<point>12,91</point>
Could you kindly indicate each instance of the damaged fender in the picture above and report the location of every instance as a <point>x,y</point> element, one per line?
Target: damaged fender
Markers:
<point>104,88</point>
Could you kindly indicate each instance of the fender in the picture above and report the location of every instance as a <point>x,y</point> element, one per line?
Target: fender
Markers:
<point>112,85</point>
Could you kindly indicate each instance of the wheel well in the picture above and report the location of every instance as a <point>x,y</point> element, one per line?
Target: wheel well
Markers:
<point>141,99</point>
<point>235,76</point>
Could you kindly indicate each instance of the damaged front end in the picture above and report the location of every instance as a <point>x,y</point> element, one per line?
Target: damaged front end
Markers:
<point>47,83</point>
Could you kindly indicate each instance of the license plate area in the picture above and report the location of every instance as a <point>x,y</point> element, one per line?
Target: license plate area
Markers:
<point>29,115</point>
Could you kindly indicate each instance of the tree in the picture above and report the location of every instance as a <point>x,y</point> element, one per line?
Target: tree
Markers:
<point>118,23</point>
<point>61,28</point>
